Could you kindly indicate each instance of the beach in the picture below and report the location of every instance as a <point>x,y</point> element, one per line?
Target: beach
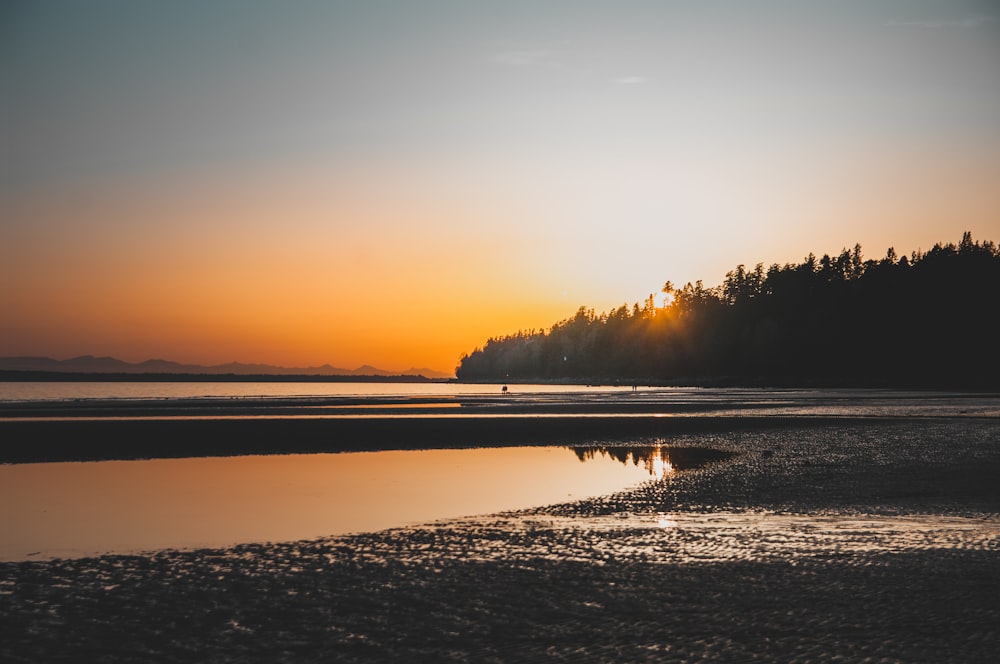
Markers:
<point>857,532</point>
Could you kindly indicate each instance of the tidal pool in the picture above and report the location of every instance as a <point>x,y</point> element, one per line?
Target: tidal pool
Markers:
<point>50,510</point>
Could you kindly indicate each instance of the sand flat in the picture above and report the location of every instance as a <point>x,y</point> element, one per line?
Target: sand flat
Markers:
<point>820,540</point>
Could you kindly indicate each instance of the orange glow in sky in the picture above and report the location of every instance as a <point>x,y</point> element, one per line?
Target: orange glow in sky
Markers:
<point>299,184</point>
<point>179,285</point>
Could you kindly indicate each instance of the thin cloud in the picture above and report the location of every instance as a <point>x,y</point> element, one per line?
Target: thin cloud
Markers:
<point>521,57</point>
<point>537,58</point>
<point>957,23</point>
<point>631,80</point>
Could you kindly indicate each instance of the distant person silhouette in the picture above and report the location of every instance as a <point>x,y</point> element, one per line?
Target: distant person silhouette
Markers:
<point>503,390</point>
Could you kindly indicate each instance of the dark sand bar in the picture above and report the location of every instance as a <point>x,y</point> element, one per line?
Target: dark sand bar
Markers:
<point>101,439</point>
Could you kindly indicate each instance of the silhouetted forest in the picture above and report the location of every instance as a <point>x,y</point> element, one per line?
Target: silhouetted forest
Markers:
<point>927,320</point>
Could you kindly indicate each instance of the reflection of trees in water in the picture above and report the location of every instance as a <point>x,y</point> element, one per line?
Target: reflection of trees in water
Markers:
<point>658,460</point>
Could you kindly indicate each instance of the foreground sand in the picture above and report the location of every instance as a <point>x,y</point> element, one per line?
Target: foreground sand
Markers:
<point>850,541</point>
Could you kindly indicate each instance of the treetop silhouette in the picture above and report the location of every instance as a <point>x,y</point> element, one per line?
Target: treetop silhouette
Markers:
<point>927,320</point>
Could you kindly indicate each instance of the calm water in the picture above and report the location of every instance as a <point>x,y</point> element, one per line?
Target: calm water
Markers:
<point>57,391</point>
<point>78,509</point>
<point>660,400</point>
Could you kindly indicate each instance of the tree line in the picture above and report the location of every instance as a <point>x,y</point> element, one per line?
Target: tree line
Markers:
<point>927,320</point>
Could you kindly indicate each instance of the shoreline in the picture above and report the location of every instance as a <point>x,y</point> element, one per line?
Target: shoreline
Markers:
<point>982,386</point>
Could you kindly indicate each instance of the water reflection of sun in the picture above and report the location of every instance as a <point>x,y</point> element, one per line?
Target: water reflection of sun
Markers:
<point>656,460</point>
<point>658,464</point>
<point>664,521</point>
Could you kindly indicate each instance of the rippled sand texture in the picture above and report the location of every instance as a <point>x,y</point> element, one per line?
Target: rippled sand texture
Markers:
<point>875,542</point>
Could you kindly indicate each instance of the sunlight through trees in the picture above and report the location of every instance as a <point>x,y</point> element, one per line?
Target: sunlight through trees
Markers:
<point>923,320</point>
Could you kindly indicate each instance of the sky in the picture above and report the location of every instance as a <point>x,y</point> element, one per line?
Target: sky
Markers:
<point>392,183</point>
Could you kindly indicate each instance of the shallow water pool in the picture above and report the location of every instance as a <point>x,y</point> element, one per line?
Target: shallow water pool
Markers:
<point>77,509</point>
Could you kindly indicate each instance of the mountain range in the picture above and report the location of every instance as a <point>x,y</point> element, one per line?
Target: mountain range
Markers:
<point>92,364</point>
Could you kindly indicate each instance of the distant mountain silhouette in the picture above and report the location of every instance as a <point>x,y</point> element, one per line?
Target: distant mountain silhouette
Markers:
<point>92,364</point>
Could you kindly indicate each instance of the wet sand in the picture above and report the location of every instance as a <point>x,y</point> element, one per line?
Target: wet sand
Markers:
<point>105,438</point>
<point>94,429</point>
<point>822,539</point>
